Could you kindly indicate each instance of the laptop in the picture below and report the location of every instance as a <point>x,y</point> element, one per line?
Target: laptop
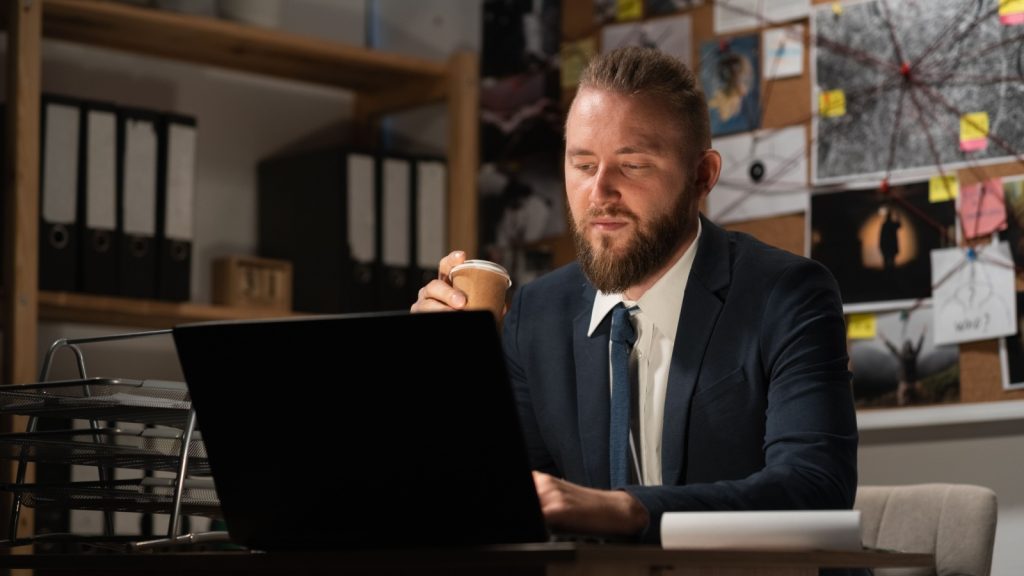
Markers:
<point>361,431</point>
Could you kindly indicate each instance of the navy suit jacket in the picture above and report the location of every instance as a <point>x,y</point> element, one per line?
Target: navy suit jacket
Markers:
<point>758,413</point>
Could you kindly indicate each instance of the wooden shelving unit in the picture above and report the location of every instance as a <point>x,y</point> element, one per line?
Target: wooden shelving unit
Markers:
<point>382,83</point>
<point>89,309</point>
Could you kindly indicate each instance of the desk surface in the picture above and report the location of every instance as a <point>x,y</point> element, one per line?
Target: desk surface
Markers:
<point>525,558</point>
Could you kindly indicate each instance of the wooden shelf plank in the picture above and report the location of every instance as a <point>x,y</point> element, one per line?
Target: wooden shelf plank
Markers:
<point>227,44</point>
<point>116,311</point>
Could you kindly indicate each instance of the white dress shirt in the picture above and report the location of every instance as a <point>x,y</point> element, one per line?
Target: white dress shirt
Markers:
<point>656,322</point>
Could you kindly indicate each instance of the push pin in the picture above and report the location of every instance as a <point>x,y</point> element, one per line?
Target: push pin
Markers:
<point>905,70</point>
<point>757,171</point>
<point>972,255</point>
<point>884,187</point>
<point>837,8</point>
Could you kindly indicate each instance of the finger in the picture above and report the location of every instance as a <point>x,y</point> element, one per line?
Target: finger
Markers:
<point>448,262</point>
<point>439,295</point>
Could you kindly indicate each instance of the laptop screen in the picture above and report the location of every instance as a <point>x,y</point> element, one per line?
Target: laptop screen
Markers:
<point>361,431</point>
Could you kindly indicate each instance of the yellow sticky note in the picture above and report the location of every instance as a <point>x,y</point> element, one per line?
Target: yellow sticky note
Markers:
<point>1011,12</point>
<point>626,10</point>
<point>832,103</point>
<point>974,131</point>
<point>575,56</point>
<point>860,327</point>
<point>943,188</point>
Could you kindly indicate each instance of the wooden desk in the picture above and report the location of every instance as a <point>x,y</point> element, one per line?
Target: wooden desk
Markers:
<point>557,559</point>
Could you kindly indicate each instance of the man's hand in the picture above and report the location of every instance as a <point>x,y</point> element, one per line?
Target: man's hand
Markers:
<point>439,295</point>
<point>573,508</point>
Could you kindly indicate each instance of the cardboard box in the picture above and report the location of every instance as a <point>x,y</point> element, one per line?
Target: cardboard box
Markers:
<point>250,282</point>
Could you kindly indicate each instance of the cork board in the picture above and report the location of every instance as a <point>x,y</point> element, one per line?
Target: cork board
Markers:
<point>787,102</point>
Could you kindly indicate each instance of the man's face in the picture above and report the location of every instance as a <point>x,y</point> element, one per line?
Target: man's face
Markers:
<point>633,198</point>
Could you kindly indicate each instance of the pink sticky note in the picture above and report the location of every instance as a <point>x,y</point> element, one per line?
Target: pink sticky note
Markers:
<point>982,209</point>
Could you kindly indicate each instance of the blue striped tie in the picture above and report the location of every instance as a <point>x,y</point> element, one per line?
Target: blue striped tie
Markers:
<point>622,337</point>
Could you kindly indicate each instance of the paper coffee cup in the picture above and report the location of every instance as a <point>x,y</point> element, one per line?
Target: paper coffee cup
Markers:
<point>484,283</point>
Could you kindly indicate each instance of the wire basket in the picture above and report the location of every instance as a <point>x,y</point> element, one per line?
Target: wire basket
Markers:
<point>147,495</point>
<point>145,401</point>
<point>147,448</point>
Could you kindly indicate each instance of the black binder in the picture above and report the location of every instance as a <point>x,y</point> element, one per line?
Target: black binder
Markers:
<point>176,193</point>
<point>318,210</point>
<point>60,174</point>
<point>99,240</point>
<point>137,202</point>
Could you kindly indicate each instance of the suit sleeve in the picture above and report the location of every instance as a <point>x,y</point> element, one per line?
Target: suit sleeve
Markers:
<point>810,444</point>
<point>537,452</point>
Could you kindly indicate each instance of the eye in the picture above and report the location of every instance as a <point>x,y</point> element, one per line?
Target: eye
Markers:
<point>584,166</point>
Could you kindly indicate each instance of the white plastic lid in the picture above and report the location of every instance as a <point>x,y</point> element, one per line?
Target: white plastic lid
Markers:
<point>482,265</point>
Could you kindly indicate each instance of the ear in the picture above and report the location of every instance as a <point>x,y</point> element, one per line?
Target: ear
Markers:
<point>709,168</point>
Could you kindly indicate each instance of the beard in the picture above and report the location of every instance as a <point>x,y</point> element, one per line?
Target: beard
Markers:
<point>645,252</point>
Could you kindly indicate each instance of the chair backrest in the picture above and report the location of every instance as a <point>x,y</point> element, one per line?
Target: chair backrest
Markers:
<point>955,522</point>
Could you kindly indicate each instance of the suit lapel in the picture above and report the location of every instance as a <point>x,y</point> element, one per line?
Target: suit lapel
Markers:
<point>592,392</point>
<point>701,306</point>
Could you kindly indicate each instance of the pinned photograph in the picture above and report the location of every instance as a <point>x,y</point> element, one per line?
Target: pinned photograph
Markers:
<point>973,293</point>
<point>878,245</point>
<point>763,174</point>
<point>898,363</point>
<point>730,75</point>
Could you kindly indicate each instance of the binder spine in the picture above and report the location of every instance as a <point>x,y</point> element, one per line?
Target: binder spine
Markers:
<point>175,207</point>
<point>137,202</point>
<point>99,241</point>
<point>60,177</point>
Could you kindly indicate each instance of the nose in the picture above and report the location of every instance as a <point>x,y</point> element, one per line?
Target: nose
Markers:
<point>604,188</point>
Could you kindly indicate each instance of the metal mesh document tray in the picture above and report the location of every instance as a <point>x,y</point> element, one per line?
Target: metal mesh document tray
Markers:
<point>146,401</point>
<point>152,495</point>
<point>144,448</point>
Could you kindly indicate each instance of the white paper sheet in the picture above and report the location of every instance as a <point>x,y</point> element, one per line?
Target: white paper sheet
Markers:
<point>672,35</point>
<point>974,299</point>
<point>783,52</point>
<point>781,155</point>
<point>775,530</point>
<point>735,15</point>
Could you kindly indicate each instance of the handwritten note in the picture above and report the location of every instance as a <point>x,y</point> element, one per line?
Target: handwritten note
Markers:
<point>973,297</point>
<point>982,209</point>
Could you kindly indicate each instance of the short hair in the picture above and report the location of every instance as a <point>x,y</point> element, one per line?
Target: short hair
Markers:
<point>639,70</point>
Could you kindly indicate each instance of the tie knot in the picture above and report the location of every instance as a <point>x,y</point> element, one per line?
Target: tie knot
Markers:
<point>622,328</point>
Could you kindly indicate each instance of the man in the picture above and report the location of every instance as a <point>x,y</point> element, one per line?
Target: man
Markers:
<point>744,396</point>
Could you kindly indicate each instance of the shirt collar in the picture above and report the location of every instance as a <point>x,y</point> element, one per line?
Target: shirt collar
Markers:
<point>662,302</point>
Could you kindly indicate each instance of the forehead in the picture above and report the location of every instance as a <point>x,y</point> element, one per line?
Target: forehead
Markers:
<point>623,120</point>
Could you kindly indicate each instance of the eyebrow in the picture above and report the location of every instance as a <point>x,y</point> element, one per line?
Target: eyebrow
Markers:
<point>645,148</point>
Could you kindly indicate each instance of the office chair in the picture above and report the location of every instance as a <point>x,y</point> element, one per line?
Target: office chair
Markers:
<point>955,522</point>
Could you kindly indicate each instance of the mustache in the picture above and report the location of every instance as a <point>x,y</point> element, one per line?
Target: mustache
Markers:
<point>609,212</point>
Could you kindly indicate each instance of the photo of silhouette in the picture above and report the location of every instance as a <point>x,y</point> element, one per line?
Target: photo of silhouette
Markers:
<point>730,76</point>
<point>901,365</point>
<point>877,245</point>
